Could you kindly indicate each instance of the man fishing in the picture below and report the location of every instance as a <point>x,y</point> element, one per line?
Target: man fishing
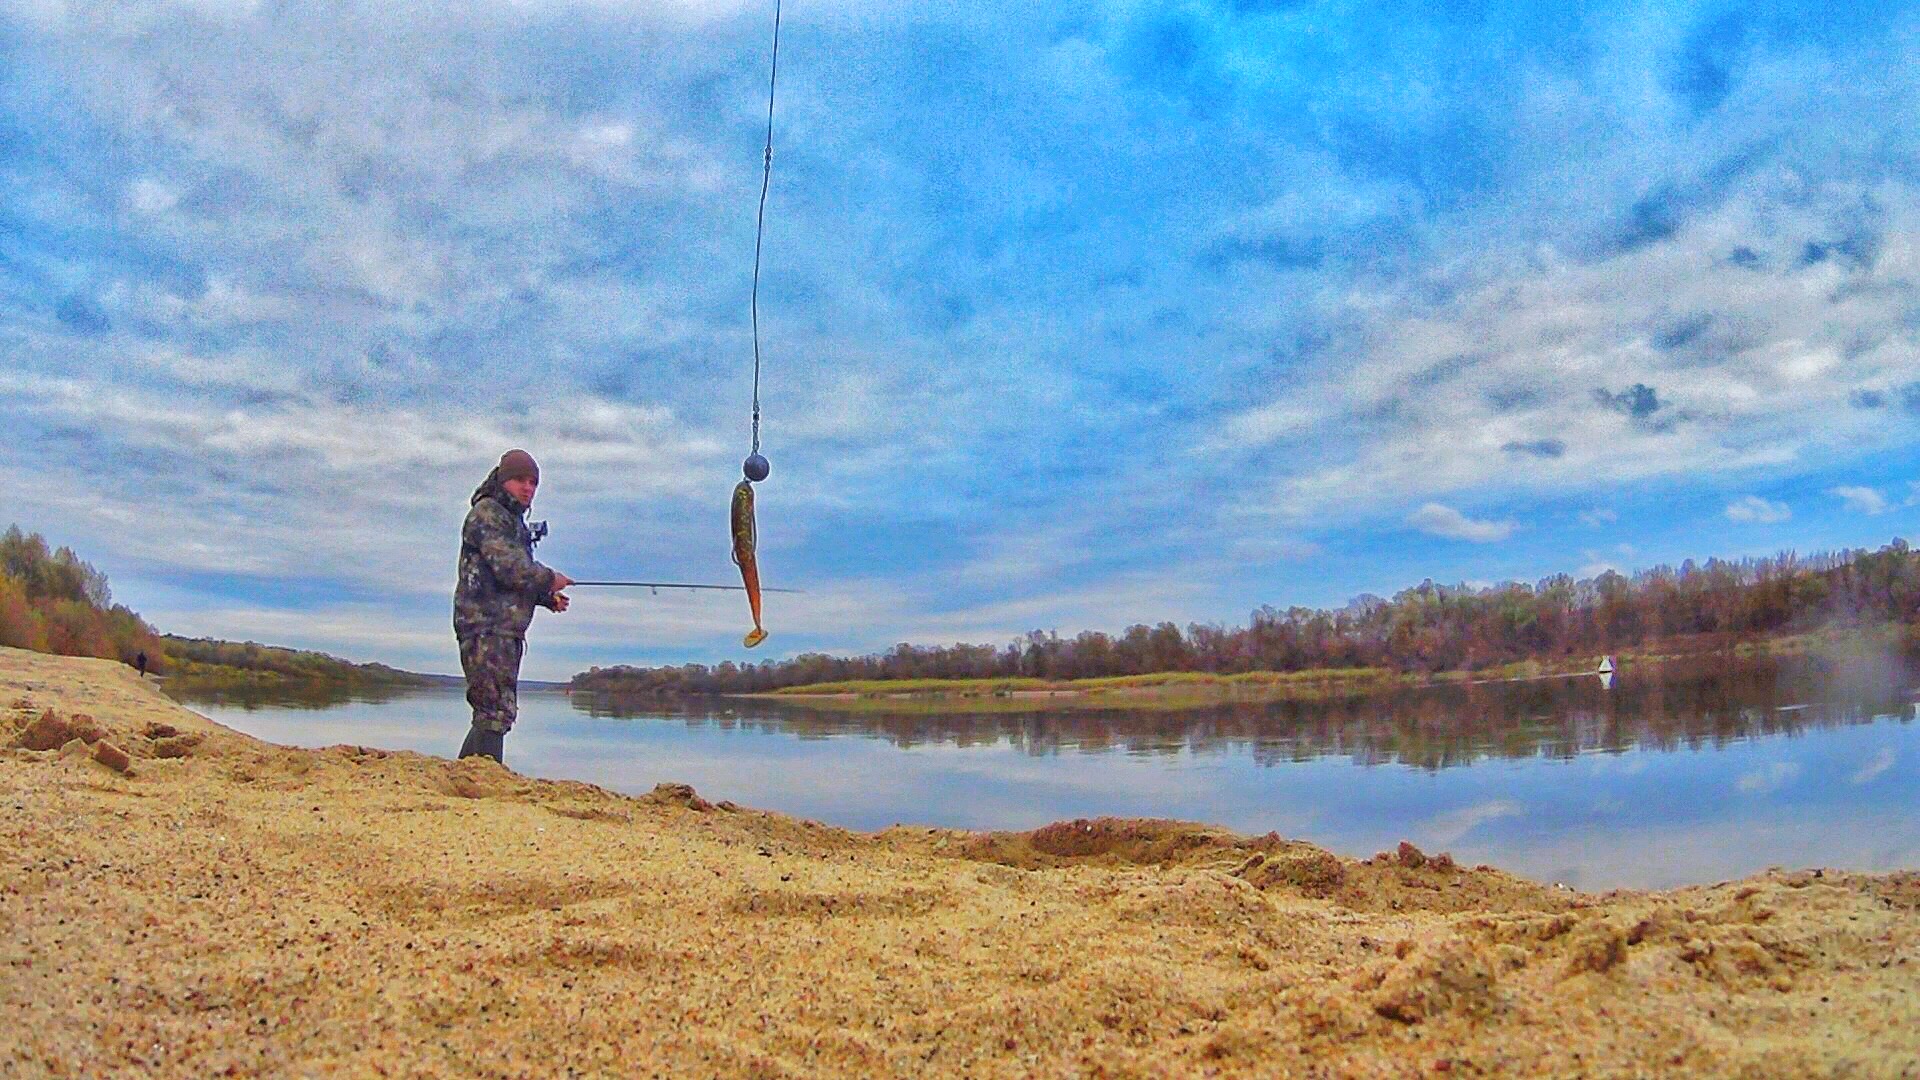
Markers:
<point>500,584</point>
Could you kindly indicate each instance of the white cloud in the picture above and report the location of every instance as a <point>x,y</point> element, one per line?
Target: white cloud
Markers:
<point>149,196</point>
<point>1452,381</point>
<point>1445,521</point>
<point>1024,556</point>
<point>1596,564</point>
<point>1598,517</point>
<point>1276,549</point>
<point>1860,500</point>
<point>1755,510</point>
<point>133,15</point>
<point>1267,424</point>
<point>365,494</point>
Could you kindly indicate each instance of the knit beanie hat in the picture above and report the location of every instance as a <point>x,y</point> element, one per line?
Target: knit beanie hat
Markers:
<point>517,463</point>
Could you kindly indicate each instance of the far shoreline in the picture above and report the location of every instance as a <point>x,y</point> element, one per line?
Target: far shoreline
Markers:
<point>1198,690</point>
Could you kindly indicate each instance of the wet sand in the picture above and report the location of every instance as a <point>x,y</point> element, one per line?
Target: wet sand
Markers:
<point>177,899</point>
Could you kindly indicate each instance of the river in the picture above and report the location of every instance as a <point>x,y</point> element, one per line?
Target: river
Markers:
<point>1687,773</point>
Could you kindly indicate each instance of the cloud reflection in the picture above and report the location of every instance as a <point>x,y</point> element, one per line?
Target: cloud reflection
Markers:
<point>1769,779</point>
<point>1872,770</point>
<point>1447,829</point>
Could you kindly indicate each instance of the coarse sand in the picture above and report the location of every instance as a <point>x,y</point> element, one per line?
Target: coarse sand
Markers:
<point>177,899</point>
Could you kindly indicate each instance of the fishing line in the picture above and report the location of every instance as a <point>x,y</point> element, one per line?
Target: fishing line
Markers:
<point>760,224</point>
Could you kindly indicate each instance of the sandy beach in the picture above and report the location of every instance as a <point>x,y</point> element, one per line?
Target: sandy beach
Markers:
<point>178,899</point>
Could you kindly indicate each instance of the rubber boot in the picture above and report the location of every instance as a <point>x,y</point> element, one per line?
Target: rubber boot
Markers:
<point>480,743</point>
<point>491,744</point>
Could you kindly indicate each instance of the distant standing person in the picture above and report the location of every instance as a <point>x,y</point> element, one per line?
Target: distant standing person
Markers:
<point>140,664</point>
<point>500,584</point>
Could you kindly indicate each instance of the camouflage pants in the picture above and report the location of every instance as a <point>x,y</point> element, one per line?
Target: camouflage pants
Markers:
<point>491,663</point>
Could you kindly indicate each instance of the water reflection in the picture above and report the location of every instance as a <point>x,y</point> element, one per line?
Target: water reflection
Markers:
<point>1683,705</point>
<point>1695,772</point>
<point>312,695</point>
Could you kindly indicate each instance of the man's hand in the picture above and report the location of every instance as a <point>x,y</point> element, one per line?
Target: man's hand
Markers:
<point>560,601</point>
<point>560,581</point>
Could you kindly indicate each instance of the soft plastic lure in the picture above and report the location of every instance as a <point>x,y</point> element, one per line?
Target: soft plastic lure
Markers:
<point>743,543</point>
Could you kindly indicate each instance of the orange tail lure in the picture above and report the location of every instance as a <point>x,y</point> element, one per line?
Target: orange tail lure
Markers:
<point>743,542</point>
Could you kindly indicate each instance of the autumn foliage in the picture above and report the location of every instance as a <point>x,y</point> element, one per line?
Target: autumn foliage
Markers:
<point>51,601</point>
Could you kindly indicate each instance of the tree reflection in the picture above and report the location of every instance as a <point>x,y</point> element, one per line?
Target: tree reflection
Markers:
<point>305,694</point>
<point>1693,703</point>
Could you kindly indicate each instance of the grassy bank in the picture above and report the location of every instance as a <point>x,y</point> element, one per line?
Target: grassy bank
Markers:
<point>1115,683</point>
<point>1160,690</point>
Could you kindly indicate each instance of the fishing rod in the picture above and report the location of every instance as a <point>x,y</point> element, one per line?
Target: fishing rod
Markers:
<point>677,585</point>
<point>537,531</point>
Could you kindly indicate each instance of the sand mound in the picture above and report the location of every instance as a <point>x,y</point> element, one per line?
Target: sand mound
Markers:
<point>1404,880</point>
<point>1106,842</point>
<point>226,906</point>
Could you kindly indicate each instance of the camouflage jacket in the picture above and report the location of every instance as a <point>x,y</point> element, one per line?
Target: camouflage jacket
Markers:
<point>499,581</point>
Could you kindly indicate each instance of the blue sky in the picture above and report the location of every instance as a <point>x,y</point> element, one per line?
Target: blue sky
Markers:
<point>1074,315</point>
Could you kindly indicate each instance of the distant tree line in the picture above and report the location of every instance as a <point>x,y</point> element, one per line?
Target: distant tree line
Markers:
<point>210,660</point>
<point>52,602</point>
<point>1428,627</point>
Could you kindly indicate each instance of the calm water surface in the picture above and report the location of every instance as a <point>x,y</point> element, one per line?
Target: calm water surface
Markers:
<point>1691,773</point>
